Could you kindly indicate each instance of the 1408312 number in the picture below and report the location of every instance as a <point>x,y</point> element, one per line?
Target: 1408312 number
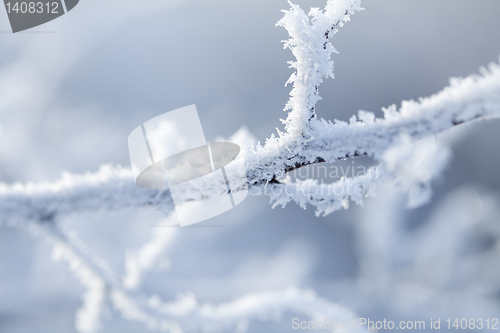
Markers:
<point>32,7</point>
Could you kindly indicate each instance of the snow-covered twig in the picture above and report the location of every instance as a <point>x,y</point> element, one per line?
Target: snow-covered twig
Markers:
<point>465,100</point>
<point>111,188</point>
<point>184,314</point>
<point>307,139</point>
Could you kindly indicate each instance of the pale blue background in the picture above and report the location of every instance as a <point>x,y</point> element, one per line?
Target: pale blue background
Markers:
<point>73,89</point>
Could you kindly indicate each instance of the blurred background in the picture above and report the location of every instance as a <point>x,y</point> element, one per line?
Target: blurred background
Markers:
<point>73,89</point>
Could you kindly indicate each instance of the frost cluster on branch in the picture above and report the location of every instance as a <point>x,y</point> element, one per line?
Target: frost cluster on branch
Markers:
<point>402,142</point>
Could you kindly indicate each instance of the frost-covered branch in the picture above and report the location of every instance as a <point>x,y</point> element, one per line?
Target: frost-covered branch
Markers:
<point>309,43</point>
<point>306,140</point>
<point>185,314</point>
<point>465,100</point>
<point>111,188</point>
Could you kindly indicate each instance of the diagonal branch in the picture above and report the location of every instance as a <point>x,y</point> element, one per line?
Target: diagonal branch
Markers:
<point>113,188</point>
